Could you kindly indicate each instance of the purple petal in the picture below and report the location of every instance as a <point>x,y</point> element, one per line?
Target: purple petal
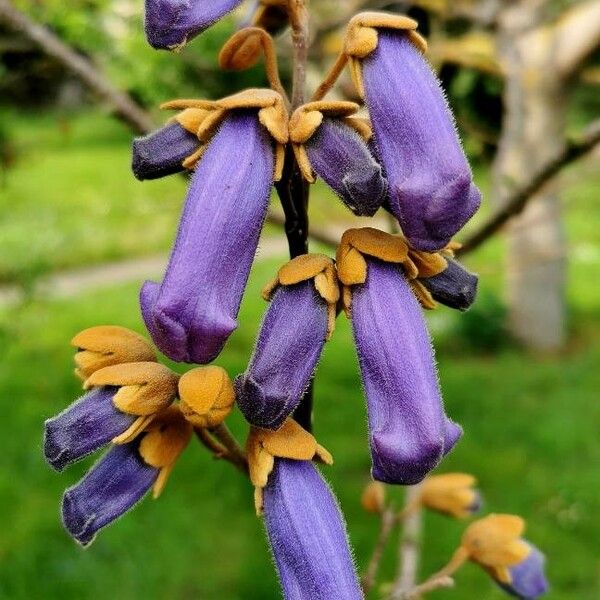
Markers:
<point>455,287</point>
<point>161,152</point>
<point>430,185</point>
<point>84,427</point>
<point>409,432</point>
<point>341,157</point>
<point>109,489</point>
<point>528,579</point>
<point>170,23</point>
<point>308,535</point>
<point>287,350</point>
<point>193,312</point>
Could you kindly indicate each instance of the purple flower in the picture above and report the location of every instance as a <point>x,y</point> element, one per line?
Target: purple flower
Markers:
<point>293,333</point>
<point>527,578</point>
<point>307,535</point>
<point>431,192</point>
<point>455,286</point>
<point>112,486</point>
<point>162,152</point>
<point>123,400</point>
<point>409,432</point>
<point>84,427</point>
<point>193,312</point>
<point>170,24</point>
<point>342,159</point>
<point>123,476</point>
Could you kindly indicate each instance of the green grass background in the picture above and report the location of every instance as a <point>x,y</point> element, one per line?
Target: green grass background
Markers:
<point>531,423</point>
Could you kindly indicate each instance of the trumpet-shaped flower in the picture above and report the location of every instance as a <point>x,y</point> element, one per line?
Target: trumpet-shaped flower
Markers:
<point>307,535</point>
<point>170,24</point>
<point>300,318</point>
<point>123,476</point>
<point>330,143</point>
<point>305,527</point>
<point>191,314</point>
<point>431,191</point>
<point>122,400</point>
<point>409,432</point>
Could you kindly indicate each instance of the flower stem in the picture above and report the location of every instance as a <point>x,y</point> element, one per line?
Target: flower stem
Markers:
<point>388,520</point>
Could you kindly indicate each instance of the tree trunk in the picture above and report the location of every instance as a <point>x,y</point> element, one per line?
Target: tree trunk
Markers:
<point>533,133</point>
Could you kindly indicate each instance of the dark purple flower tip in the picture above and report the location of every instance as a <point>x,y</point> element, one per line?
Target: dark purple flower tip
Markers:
<point>112,486</point>
<point>477,503</point>
<point>172,23</point>
<point>285,356</point>
<point>455,286</point>
<point>84,427</point>
<point>528,580</point>
<point>343,160</point>
<point>430,185</point>
<point>307,535</point>
<point>191,314</point>
<point>162,152</point>
<point>409,431</point>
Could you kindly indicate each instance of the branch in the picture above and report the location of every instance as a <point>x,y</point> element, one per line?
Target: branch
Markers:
<point>577,34</point>
<point>409,549</point>
<point>388,520</point>
<point>126,108</point>
<point>516,202</point>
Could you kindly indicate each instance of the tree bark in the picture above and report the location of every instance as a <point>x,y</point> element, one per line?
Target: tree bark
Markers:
<point>533,132</point>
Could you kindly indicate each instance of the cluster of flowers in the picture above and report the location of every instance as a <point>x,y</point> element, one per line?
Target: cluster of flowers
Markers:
<point>494,542</point>
<point>407,159</point>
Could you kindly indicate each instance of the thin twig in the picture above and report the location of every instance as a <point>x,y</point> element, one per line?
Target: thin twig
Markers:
<point>298,16</point>
<point>235,453</point>
<point>516,202</point>
<point>409,548</point>
<point>387,522</point>
<point>208,441</point>
<point>428,586</point>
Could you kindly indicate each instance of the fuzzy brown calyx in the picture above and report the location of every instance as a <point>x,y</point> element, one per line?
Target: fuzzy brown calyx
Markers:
<point>145,389</point>
<point>272,115</point>
<point>165,439</point>
<point>367,241</point>
<point>449,493</point>
<point>373,497</point>
<point>106,345</point>
<point>318,267</point>
<point>305,121</point>
<point>206,396</point>
<point>289,441</point>
<point>361,38</point>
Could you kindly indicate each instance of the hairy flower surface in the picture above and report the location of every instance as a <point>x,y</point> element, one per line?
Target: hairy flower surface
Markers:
<point>122,401</point>
<point>431,192</point>
<point>454,286</point>
<point>123,476</point>
<point>162,152</point>
<point>170,24</point>
<point>330,143</point>
<point>409,432</point>
<point>307,535</point>
<point>296,325</point>
<point>193,312</point>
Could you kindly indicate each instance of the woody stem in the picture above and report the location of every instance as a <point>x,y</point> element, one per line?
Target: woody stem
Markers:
<point>292,188</point>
